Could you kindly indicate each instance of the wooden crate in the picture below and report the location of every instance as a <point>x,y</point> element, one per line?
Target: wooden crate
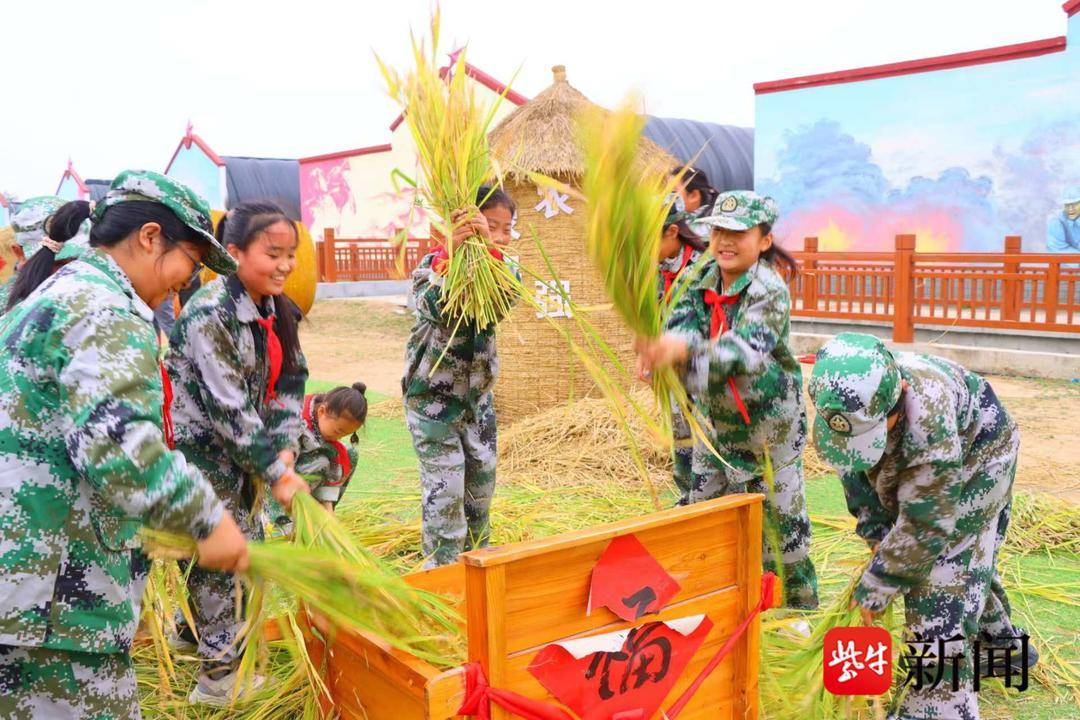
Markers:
<point>518,598</point>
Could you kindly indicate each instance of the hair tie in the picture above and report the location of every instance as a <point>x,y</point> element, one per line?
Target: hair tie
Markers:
<point>53,245</point>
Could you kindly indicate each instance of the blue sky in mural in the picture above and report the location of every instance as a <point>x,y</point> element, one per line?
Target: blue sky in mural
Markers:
<point>990,147</point>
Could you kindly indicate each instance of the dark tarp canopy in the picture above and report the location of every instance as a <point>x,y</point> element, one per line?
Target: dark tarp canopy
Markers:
<point>249,179</point>
<point>724,152</point>
<point>97,188</point>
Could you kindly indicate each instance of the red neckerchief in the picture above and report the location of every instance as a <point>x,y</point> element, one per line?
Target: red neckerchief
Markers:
<point>274,354</point>
<point>670,275</point>
<point>717,327</point>
<point>166,407</point>
<point>442,257</point>
<point>342,453</point>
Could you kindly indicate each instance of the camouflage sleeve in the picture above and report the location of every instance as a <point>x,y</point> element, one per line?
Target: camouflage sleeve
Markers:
<point>427,293</point>
<point>872,519</point>
<point>115,439</point>
<point>927,495</point>
<point>212,350</point>
<point>742,350</point>
<point>334,493</point>
<point>285,422</point>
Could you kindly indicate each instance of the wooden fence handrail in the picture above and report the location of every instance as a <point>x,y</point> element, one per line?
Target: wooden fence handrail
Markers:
<point>1005,290</point>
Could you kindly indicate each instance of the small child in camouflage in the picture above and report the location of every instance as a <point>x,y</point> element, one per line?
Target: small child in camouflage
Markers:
<point>449,406</point>
<point>680,249</point>
<point>927,456</point>
<point>83,458</point>
<point>238,379</point>
<point>324,461</point>
<point>728,334</point>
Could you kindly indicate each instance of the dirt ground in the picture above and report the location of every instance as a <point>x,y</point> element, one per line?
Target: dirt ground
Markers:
<point>364,339</point>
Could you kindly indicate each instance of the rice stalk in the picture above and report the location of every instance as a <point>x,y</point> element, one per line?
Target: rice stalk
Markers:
<point>348,594</point>
<point>449,126</point>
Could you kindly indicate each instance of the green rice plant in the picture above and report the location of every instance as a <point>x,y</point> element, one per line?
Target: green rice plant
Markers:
<point>626,203</point>
<point>449,126</point>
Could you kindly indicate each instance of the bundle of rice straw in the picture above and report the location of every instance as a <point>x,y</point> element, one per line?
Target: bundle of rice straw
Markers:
<point>449,126</point>
<point>350,593</point>
<point>792,685</point>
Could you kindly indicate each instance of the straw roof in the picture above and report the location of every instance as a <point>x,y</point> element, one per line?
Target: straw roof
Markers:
<point>540,136</point>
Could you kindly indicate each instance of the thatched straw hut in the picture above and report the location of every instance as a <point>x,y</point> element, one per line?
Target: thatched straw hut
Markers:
<point>537,370</point>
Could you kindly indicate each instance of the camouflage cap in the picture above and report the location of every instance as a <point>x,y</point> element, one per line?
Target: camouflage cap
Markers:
<point>1071,195</point>
<point>191,209</point>
<point>741,210</point>
<point>29,222</point>
<point>854,385</point>
<point>74,248</point>
<point>676,209</point>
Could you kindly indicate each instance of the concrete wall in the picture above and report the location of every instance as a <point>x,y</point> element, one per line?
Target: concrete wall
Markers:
<point>1057,356</point>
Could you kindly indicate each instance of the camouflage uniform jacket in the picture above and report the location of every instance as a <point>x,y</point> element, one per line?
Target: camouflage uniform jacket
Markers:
<point>754,351</point>
<point>673,268</point>
<point>468,370</point>
<point>932,471</point>
<point>83,462</point>
<point>5,293</point>
<point>217,363</point>
<point>320,461</point>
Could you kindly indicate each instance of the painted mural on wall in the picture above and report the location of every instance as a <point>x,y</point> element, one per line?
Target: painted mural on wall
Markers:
<point>356,197</point>
<point>961,157</point>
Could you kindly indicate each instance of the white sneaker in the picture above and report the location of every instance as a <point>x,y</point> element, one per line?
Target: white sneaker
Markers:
<point>219,693</point>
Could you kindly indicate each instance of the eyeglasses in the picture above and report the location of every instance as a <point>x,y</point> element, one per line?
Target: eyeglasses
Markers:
<point>197,264</point>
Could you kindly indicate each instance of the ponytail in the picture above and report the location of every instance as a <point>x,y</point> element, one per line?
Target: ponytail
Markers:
<point>60,227</point>
<point>781,260</point>
<point>239,227</point>
<point>345,400</point>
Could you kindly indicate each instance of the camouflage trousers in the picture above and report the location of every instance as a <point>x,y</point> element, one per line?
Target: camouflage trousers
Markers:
<point>42,684</point>
<point>217,599</point>
<point>962,597</point>
<point>784,513</point>
<point>682,454</point>
<point>457,481</point>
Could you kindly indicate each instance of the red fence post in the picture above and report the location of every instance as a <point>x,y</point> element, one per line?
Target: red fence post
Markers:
<point>904,298</point>
<point>1050,294</point>
<point>809,273</point>
<point>1011,288</point>
<point>329,255</point>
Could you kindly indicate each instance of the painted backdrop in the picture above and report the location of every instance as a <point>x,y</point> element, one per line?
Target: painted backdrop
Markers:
<point>959,157</point>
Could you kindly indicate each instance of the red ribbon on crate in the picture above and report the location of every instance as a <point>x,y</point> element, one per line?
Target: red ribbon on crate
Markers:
<point>479,694</point>
<point>768,600</point>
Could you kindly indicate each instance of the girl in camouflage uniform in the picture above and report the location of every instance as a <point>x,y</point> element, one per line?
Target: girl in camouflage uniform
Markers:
<point>451,411</point>
<point>83,461</point>
<point>729,336</point>
<point>238,386</point>
<point>680,249</point>
<point>927,456</point>
<point>29,227</point>
<point>324,461</point>
<point>67,236</point>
